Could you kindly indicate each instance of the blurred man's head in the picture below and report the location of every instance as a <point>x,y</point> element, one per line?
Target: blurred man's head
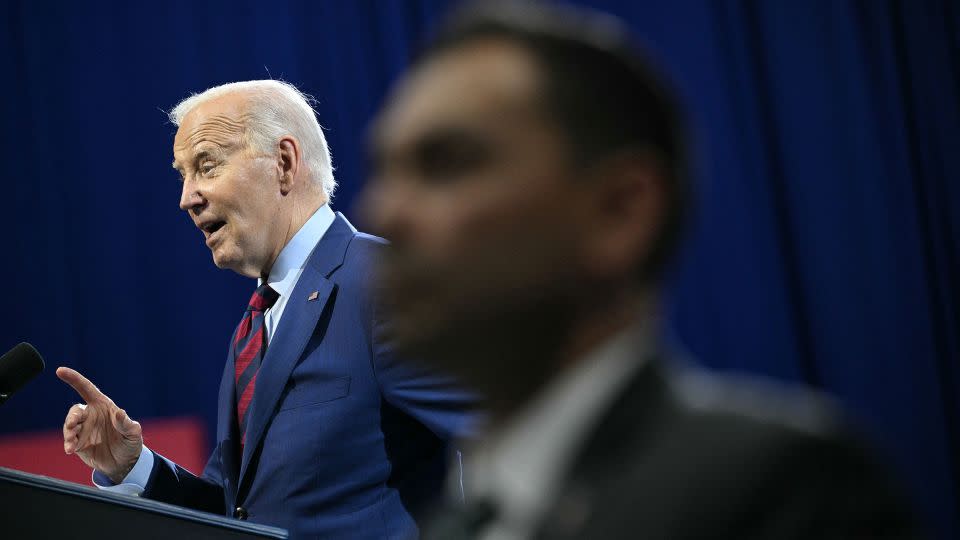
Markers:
<point>529,172</point>
<point>255,166</point>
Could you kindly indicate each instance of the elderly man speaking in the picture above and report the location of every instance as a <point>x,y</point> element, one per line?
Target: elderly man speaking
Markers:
<point>320,429</point>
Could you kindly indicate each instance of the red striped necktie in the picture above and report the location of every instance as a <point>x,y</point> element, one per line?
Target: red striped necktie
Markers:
<point>248,350</point>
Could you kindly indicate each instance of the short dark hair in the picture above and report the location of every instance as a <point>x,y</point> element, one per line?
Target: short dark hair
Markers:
<point>601,90</point>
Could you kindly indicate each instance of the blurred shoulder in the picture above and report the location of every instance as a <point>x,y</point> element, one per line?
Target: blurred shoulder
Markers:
<point>744,454</point>
<point>753,402</point>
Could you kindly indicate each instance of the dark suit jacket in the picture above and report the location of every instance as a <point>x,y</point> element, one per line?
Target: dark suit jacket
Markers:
<point>685,456</point>
<point>680,455</point>
<point>343,440</point>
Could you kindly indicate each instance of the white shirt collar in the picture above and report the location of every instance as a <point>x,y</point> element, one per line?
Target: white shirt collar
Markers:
<point>289,264</point>
<point>522,462</point>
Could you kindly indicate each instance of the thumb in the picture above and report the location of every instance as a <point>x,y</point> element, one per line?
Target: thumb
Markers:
<point>125,425</point>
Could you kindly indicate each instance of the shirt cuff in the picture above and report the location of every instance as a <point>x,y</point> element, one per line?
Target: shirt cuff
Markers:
<point>135,481</point>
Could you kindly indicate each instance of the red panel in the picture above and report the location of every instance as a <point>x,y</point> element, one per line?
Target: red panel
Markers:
<point>180,439</point>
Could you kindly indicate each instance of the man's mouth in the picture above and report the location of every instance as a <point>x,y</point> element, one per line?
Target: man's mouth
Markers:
<point>210,228</point>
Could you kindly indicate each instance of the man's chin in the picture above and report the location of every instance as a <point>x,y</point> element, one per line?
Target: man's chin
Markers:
<point>411,338</point>
<point>220,262</point>
<point>224,261</point>
<point>447,343</point>
<point>426,339</point>
<point>491,368</point>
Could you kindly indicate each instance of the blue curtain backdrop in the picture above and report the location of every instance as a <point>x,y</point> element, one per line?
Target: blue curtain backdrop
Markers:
<point>825,251</point>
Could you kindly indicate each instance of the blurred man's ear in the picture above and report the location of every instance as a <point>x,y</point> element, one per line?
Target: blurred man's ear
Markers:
<point>625,207</point>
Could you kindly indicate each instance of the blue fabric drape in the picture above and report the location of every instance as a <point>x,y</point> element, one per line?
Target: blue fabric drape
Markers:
<point>825,249</point>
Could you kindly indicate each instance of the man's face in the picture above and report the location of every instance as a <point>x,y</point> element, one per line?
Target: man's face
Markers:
<point>473,187</point>
<point>231,192</point>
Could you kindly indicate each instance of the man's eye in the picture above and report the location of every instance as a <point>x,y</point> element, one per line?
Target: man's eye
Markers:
<point>445,161</point>
<point>206,168</point>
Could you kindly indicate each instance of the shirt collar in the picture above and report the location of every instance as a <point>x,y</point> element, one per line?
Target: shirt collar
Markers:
<point>521,461</point>
<point>286,270</point>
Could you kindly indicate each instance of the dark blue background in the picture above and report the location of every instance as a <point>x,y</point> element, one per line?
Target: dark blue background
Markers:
<point>826,247</point>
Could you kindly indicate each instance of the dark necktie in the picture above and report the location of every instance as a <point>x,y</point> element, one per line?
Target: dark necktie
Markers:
<point>248,350</point>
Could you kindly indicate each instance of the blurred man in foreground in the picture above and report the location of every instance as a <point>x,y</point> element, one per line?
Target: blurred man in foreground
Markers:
<point>530,171</point>
<point>321,429</point>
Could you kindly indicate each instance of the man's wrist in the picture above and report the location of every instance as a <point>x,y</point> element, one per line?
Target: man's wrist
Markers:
<point>135,482</point>
<point>121,474</point>
<point>118,477</point>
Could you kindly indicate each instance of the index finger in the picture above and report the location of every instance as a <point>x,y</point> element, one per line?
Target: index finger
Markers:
<point>87,390</point>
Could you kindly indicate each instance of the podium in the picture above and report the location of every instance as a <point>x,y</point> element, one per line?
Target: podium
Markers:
<point>39,507</point>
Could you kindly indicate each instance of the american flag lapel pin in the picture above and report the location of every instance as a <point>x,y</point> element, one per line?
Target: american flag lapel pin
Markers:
<point>313,296</point>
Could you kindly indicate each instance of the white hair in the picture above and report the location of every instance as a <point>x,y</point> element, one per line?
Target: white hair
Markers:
<point>277,108</point>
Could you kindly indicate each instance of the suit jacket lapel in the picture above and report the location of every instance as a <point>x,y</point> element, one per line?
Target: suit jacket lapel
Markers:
<point>618,435</point>
<point>227,427</point>
<point>297,324</point>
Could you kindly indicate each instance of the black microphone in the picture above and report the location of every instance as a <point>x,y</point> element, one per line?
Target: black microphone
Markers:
<point>18,367</point>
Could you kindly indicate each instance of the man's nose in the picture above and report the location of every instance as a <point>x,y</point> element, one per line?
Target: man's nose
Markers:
<point>189,196</point>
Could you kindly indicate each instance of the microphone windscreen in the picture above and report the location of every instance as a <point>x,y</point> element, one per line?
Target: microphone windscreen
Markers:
<point>17,367</point>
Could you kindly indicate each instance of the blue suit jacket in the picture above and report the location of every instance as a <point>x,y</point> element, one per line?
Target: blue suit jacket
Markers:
<point>343,440</point>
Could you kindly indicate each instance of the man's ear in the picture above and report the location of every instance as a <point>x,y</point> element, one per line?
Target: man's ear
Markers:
<point>628,204</point>
<point>288,163</point>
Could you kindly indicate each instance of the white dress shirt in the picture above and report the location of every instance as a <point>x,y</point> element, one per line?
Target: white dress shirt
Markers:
<point>283,278</point>
<point>521,464</point>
